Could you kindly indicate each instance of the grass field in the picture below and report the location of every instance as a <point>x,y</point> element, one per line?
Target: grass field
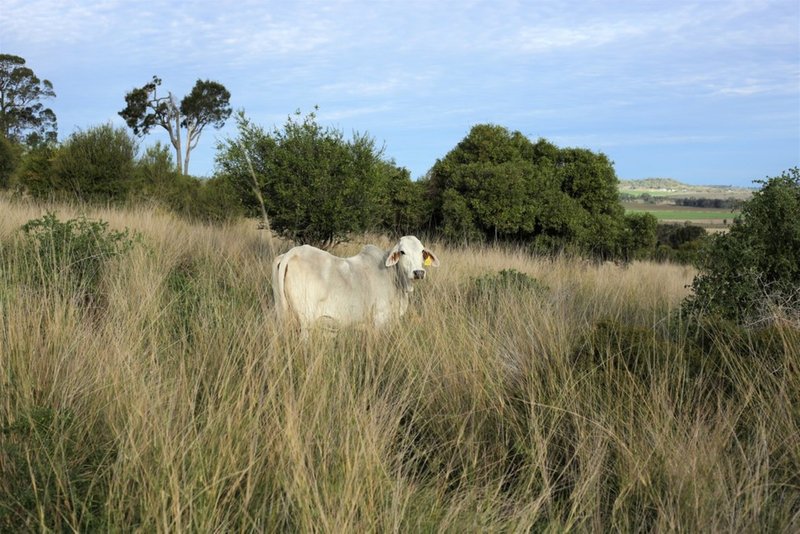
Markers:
<point>166,398</point>
<point>710,218</point>
<point>687,215</point>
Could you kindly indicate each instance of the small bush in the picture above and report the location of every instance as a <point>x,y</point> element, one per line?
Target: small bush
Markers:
<point>506,280</point>
<point>490,291</point>
<point>72,252</point>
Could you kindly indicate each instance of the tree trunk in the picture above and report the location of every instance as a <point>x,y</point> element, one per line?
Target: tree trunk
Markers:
<point>186,159</point>
<point>177,141</point>
<point>174,131</point>
<point>192,134</point>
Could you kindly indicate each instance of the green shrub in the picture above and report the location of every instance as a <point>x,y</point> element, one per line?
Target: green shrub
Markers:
<point>755,268</point>
<point>317,186</point>
<point>205,200</point>
<point>680,243</point>
<point>506,280</point>
<point>491,291</point>
<point>96,165</point>
<point>216,202</point>
<point>9,159</point>
<point>639,236</point>
<point>34,174</point>
<point>72,254</point>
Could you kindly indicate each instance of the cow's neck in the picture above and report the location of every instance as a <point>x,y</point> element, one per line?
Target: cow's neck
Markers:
<point>402,283</point>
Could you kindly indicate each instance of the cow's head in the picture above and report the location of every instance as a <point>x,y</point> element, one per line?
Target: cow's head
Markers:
<point>411,257</point>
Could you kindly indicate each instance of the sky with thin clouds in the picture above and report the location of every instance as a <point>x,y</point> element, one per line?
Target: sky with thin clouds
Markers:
<point>706,92</point>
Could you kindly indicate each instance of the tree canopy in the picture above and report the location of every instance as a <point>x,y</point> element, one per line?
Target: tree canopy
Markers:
<point>497,184</point>
<point>23,117</point>
<point>96,164</point>
<point>317,186</point>
<point>208,103</point>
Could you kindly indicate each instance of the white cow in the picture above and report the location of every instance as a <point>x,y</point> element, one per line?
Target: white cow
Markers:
<point>371,287</point>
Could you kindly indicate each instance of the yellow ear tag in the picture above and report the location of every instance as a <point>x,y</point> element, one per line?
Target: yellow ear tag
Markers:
<point>427,261</point>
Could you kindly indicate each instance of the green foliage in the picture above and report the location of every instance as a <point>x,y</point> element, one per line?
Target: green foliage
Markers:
<point>317,187</point>
<point>34,174</point>
<point>402,206</point>
<point>10,155</point>
<point>207,103</point>
<point>680,243</point>
<point>639,237</point>
<point>23,117</point>
<point>506,280</point>
<point>205,200</point>
<point>481,189</point>
<point>756,265</point>
<point>498,185</point>
<point>95,165</point>
<point>72,254</point>
<point>155,172</point>
<point>217,201</point>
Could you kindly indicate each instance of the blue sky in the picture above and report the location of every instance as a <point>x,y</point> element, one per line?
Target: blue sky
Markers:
<point>707,92</point>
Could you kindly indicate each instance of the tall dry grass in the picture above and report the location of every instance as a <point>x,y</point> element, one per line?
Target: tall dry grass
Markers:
<point>176,403</point>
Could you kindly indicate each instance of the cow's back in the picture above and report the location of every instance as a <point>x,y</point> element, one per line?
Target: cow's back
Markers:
<point>319,286</point>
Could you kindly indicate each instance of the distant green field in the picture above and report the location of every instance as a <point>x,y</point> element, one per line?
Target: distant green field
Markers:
<point>685,215</point>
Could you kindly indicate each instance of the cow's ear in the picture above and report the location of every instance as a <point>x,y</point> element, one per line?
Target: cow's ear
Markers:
<point>394,256</point>
<point>428,258</point>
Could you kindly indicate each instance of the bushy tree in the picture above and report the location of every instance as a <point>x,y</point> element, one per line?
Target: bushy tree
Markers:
<point>23,117</point>
<point>679,242</point>
<point>207,104</point>
<point>590,179</point>
<point>402,205</point>
<point>95,165</point>
<point>317,186</point>
<point>757,263</point>
<point>498,185</point>
<point>639,236</point>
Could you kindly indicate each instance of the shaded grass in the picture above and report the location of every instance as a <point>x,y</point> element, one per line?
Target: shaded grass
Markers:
<point>583,403</point>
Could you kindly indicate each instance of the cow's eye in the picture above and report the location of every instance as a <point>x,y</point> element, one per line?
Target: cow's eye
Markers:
<point>403,252</point>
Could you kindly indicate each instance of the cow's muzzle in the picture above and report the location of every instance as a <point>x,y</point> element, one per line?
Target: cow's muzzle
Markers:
<point>419,274</point>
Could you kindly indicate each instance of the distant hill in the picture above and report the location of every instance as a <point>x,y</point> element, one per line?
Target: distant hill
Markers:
<point>667,187</point>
